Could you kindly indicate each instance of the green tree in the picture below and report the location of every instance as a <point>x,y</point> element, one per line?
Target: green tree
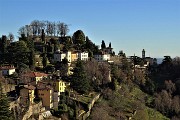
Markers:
<point>149,86</point>
<point>4,44</point>
<point>110,45</point>
<point>121,54</point>
<point>79,81</point>
<point>43,36</point>
<point>5,113</point>
<point>167,65</point>
<point>103,45</point>
<point>19,52</point>
<point>78,37</point>
<point>89,44</point>
<point>20,47</point>
<point>44,60</point>
<point>167,60</point>
<point>32,60</point>
<point>64,67</point>
<point>30,44</point>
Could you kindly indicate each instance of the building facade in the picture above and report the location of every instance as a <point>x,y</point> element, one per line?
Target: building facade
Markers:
<point>46,94</point>
<point>102,57</point>
<point>70,56</point>
<point>7,70</point>
<point>83,56</point>
<point>27,94</point>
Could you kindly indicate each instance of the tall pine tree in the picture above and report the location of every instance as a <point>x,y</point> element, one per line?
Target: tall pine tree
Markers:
<point>5,113</point>
<point>79,81</point>
<point>103,45</point>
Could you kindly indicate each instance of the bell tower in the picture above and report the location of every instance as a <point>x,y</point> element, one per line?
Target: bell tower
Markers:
<point>143,54</point>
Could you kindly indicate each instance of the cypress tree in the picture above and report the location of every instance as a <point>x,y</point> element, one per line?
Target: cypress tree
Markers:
<point>4,44</point>
<point>110,45</point>
<point>103,45</point>
<point>43,36</point>
<point>44,60</point>
<point>32,60</point>
<point>5,113</point>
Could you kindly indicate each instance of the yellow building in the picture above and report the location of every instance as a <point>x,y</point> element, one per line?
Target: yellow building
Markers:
<point>27,93</point>
<point>74,56</point>
<point>60,86</point>
<point>46,94</point>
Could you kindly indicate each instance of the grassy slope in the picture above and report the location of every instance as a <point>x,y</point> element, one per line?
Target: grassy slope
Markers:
<point>126,102</point>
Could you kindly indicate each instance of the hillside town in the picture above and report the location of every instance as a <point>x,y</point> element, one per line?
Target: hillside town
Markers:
<point>38,89</point>
<point>89,60</point>
<point>47,76</point>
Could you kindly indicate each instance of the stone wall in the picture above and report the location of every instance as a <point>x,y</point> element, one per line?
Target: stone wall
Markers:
<point>90,106</point>
<point>33,109</point>
<point>7,88</point>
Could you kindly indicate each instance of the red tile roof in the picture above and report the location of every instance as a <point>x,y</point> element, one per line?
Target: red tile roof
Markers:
<point>46,87</point>
<point>7,67</point>
<point>35,74</point>
<point>30,87</point>
<point>43,86</point>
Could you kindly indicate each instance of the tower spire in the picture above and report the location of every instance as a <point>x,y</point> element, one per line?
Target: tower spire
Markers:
<point>143,54</point>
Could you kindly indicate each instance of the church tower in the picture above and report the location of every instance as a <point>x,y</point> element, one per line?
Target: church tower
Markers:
<point>143,54</point>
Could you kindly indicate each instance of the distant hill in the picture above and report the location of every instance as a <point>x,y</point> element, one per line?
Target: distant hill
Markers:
<point>159,60</point>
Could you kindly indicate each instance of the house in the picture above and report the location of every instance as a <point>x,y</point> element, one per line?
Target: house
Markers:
<point>83,56</point>
<point>7,70</point>
<point>108,50</point>
<point>74,56</point>
<point>56,99</point>
<point>70,56</point>
<point>60,86</point>
<point>59,56</point>
<point>45,92</point>
<point>100,57</point>
<point>34,77</point>
<point>149,60</point>
<point>27,94</point>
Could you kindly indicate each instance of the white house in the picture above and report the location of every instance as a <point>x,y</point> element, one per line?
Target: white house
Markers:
<point>102,57</point>
<point>7,70</point>
<point>68,56</point>
<point>59,56</point>
<point>83,56</point>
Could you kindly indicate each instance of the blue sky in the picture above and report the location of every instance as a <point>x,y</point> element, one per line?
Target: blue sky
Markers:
<point>130,25</point>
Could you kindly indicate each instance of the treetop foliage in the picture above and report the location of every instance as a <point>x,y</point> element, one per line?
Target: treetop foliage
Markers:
<point>51,28</point>
<point>79,37</point>
<point>5,113</point>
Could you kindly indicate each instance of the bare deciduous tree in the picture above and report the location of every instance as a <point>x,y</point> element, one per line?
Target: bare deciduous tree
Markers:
<point>11,37</point>
<point>22,30</point>
<point>51,28</point>
<point>62,29</point>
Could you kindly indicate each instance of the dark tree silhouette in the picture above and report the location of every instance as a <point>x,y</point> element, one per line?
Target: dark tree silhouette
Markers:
<point>103,45</point>
<point>79,81</point>
<point>78,37</point>
<point>110,45</point>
